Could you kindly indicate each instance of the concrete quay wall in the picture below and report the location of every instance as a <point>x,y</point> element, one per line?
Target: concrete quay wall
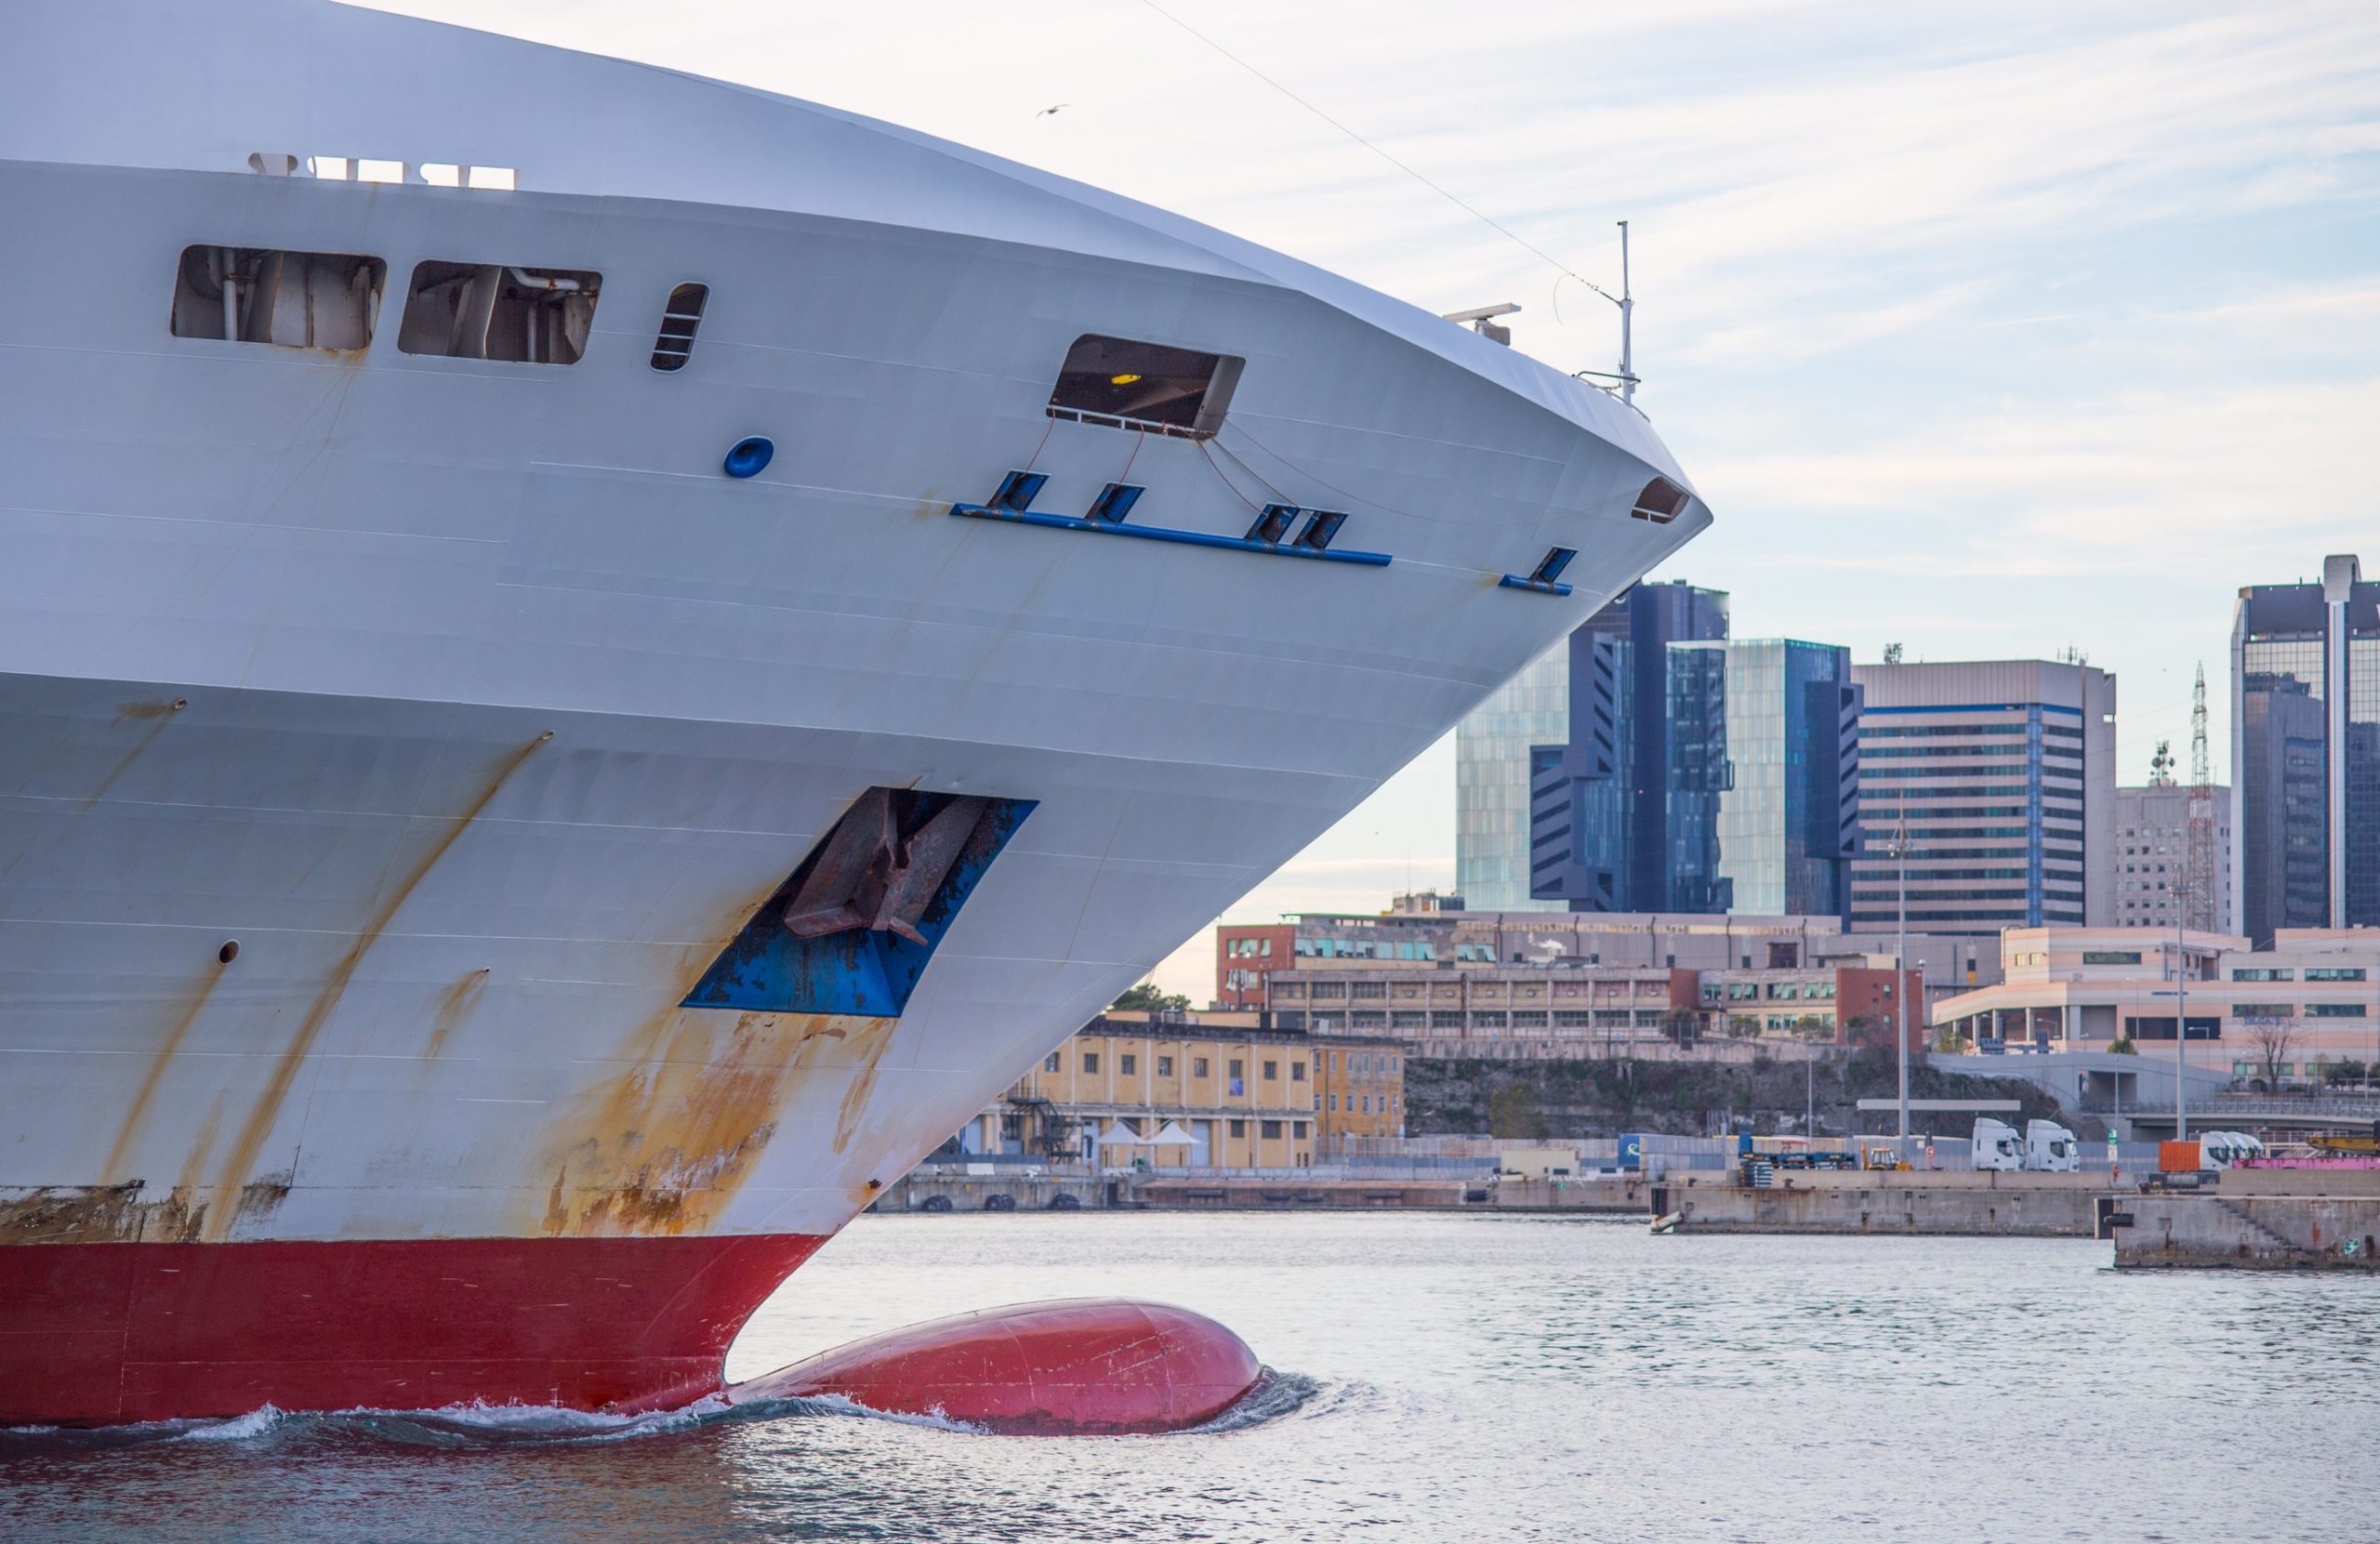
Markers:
<point>2039,1206</point>
<point>2247,1232</point>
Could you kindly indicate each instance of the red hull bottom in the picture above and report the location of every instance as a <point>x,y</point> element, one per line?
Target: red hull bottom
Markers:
<point>1080,1365</point>
<point>92,1334</point>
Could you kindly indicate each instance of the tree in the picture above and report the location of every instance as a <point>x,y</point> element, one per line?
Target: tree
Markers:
<point>1682,1026</point>
<point>1513,1112</point>
<point>1147,998</point>
<point>2122,1046</point>
<point>2273,1039</point>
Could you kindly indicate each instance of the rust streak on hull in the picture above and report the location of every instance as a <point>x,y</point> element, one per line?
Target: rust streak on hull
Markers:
<point>233,1175</point>
<point>156,715</point>
<point>134,1117</point>
<point>453,1005</point>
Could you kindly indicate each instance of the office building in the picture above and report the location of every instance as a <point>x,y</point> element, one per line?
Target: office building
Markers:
<point>1491,780</point>
<point>2002,775</point>
<point>1195,1090</point>
<point>2306,752</point>
<point>1623,811</point>
<point>1452,982</point>
<point>2287,1012</point>
<point>1789,821</point>
<point>2152,859</point>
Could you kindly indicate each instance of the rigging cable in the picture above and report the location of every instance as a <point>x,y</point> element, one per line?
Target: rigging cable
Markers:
<point>1559,267</point>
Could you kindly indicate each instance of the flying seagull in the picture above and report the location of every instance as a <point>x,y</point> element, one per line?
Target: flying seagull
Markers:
<point>1047,111</point>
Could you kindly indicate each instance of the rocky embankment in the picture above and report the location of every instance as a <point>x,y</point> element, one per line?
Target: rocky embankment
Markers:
<point>1604,1098</point>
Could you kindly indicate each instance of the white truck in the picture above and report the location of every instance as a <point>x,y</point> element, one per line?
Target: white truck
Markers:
<point>2051,1148</point>
<point>2220,1150</point>
<point>1997,1144</point>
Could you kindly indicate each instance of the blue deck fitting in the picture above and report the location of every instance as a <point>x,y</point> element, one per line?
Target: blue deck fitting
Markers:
<point>1273,523</point>
<point>1161,533</point>
<point>1320,526</point>
<point>1014,501</point>
<point>1114,501</point>
<point>1545,578</point>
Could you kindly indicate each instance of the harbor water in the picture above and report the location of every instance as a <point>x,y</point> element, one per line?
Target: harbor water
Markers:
<point>1440,1378</point>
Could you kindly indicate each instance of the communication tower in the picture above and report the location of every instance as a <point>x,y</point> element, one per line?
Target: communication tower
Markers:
<point>2199,871</point>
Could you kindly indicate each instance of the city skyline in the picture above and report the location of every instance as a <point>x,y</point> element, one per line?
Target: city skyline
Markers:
<point>1926,298</point>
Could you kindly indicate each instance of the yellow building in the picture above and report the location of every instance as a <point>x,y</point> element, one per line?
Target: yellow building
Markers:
<point>1205,1091</point>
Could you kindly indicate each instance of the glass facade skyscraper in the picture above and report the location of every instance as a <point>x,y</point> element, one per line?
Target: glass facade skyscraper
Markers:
<point>1624,800</point>
<point>1491,779</point>
<point>1788,826</point>
<point>2306,752</point>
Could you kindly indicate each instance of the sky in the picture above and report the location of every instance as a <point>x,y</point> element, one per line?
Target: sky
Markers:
<point>1994,330</point>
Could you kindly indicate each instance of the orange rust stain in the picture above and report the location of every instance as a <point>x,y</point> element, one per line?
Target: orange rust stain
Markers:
<point>871,1043</point>
<point>231,1175</point>
<point>156,715</point>
<point>664,1145</point>
<point>184,1196</point>
<point>453,1004</point>
<point>193,1003</point>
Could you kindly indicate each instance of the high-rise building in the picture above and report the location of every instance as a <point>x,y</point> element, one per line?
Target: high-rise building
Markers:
<point>1623,810</point>
<point>2152,857</point>
<point>1789,821</point>
<point>2306,752</point>
<point>2002,774</point>
<point>1491,777</point>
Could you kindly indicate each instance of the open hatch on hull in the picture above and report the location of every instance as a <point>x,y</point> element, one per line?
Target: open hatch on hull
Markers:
<point>494,310</point>
<point>853,929</point>
<point>289,299</point>
<point>1144,386</point>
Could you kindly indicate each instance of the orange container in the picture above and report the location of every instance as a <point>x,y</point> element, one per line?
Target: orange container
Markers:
<point>2177,1157</point>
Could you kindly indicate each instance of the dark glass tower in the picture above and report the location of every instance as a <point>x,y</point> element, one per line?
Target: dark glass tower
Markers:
<point>1624,816</point>
<point>2306,752</point>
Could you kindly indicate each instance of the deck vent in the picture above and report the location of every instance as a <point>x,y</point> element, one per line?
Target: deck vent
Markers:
<point>1320,526</point>
<point>1659,502</point>
<point>1274,523</point>
<point>1114,501</point>
<point>679,319</point>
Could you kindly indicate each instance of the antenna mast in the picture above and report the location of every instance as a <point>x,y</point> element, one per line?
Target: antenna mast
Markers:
<point>2197,895</point>
<point>1627,315</point>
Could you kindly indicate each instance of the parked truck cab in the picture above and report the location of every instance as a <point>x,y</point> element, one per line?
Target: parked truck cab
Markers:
<point>2051,1148</point>
<point>1997,1145</point>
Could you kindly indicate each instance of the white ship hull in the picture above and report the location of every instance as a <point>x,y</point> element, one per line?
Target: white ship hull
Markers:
<point>480,710</point>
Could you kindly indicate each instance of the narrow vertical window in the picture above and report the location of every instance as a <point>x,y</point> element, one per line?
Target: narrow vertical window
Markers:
<point>679,320</point>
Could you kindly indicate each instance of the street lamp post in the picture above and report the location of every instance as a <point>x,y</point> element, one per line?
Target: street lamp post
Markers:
<point>1899,1017</point>
<point>2181,1019</point>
